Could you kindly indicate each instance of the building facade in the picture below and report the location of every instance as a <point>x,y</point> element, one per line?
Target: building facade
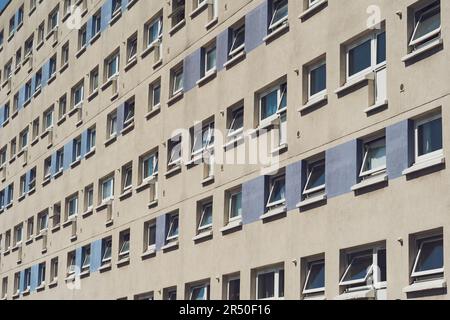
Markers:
<point>223,149</point>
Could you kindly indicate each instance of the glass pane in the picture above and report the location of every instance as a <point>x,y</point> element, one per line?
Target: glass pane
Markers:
<point>236,205</point>
<point>428,22</point>
<point>317,177</point>
<point>382,264</point>
<point>281,11</point>
<point>359,58</point>
<point>359,268</point>
<point>381,47</point>
<point>266,285</point>
<point>198,293</point>
<point>430,137</point>
<point>281,283</point>
<point>152,235</point>
<point>207,216</point>
<point>278,191</point>
<point>316,278</point>
<point>431,256</point>
<point>238,120</point>
<point>211,59</point>
<point>269,104</point>
<point>234,289</point>
<point>156,95</point>
<point>376,155</point>
<point>318,79</point>
<point>173,231</point>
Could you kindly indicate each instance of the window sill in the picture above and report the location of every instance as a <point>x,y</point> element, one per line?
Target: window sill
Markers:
<point>147,50</point>
<point>203,236</point>
<point>80,52</point>
<point>115,17</point>
<point>235,60</point>
<point>279,150</point>
<point>95,38</point>
<point>130,4</point>
<point>274,213</point>
<point>130,64</point>
<point>211,23</point>
<point>75,163</point>
<point>56,228</point>
<point>37,92</point>
<point>21,197</point>
<point>198,10</point>
<point>277,32</point>
<point>123,262</point>
<point>87,213</point>
<point>54,283</point>
<point>92,95</point>
<point>265,125</point>
<point>311,201</point>
<point>64,67</point>
<point>208,180</point>
<point>208,77</point>
<point>70,278</point>
<point>104,205</point>
<point>175,98</point>
<point>350,85</point>
<point>177,27</point>
<point>321,99</point>
<point>432,45</point>
<point>105,267</point>
<point>67,223</point>
<point>426,285</point>
<point>58,174</point>
<point>126,193</point>
<point>363,294</point>
<point>30,241</point>
<point>152,204</point>
<point>232,226</point>
<point>156,109</point>
<point>170,246</point>
<point>173,171</point>
<point>417,167</point>
<point>148,254</point>
<point>369,182</point>
<point>90,153</point>
<point>128,127</point>
<point>157,64</point>
<point>51,79</point>
<point>377,106</point>
<point>233,143</point>
<point>109,223</point>
<point>110,140</point>
<point>313,10</point>
<point>61,120</point>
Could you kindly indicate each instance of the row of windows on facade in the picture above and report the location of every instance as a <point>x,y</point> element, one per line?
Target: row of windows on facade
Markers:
<point>363,269</point>
<point>367,54</point>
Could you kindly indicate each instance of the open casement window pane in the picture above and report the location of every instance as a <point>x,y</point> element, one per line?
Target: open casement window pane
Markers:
<point>429,137</point>
<point>277,192</point>
<point>150,166</point>
<point>125,245</point>
<point>279,13</point>
<point>129,112</point>
<point>316,178</point>
<point>175,151</point>
<point>237,122</point>
<point>172,232</point>
<point>199,293</point>
<point>315,279</point>
<point>203,139</point>
<point>273,102</point>
<point>154,31</point>
<point>427,24</point>
<point>318,80</point>
<point>106,254</point>
<point>430,258</point>
<point>113,67</point>
<point>359,269</point>
<point>238,41</point>
<point>86,258</point>
<point>235,206</point>
<point>128,177</point>
<point>206,217</point>
<point>374,157</point>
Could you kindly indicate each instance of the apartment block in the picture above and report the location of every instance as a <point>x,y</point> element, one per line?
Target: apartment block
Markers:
<point>224,149</point>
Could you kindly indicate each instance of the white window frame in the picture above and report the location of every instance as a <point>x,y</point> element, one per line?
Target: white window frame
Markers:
<point>176,74</point>
<point>310,169</point>
<point>159,22</point>
<point>276,286</point>
<point>209,127</point>
<point>364,174</point>
<point>431,155</point>
<point>175,161</point>
<point>205,206</point>
<point>75,213</point>
<point>310,266</point>
<point>111,74</point>
<point>155,166</point>
<point>310,69</point>
<point>205,296</point>
<point>111,195</point>
<point>108,244</point>
<point>274,24</point>
<point>416,274</point>
<point>87,259</point>
<point>234,113</point>
<point>272,183</point>
<point>281,93</point>
<point>150,225</point>
<point>230,206</point>
<point>417,22</point>
<point>172,219</point>
<point>122,252</point>
<point>78,88</point>
<point>208,51</point>
<point>236,50</point>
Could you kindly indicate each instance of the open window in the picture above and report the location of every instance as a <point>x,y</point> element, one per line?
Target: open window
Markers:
<point>237,40</point>
<point>374,158</point>
<point>124,245</point>
<point>428,138</point>
<point>174,152</point>
<point>429,259</point>
<point>236,121</point>
<point>279,14</point>
<point>315,183</point>
<point>199,292</point>
<point>277,192</point>
<point>205,216</point>
<point>314,278</point>
<point>106,251</point>
<point>172,228</point>
<point>426,25</point>
<point>272,103</point>
<point>202,140</point>
<point>85,258</point>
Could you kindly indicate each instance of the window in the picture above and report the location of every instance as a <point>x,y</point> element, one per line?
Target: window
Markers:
<point>317,80</point>
<point>60,160</point>
<point>42,221</point>
<point>93,80</point>
<point>89,198</point>
<point>128,118</point>
<point>270,284</point>
<point>276,192</point>
<point>91,137</point>
<point>18,235</point>
<point>202,139</point>
<point>112,125</point>
<point>366,55</point>
<point>362,265</point>
<point>23,185</point>
<point>427,25</point>
<point>72,207</point>
<point>8,70</point>
<point>41,33</point>
<point>315,183</point>
<point>4,287</point>
<point>210,60</point>
<point>30,228</point>
<point>112,66</point>
<point>205,216</point>
<point>28,47</point>
<point>116,7</point>
<point>78,95</point>
<point>124,245</point>
<point>76,149</point>
<point>47,168</point>
<point>35,129</point>
<point>106,250</point>
<point>6,112</point>
<point>23,139</point>
<point>236,121</point>
<point>279,14</point>
<point>32,179</point>
<point>12,25</point>
<point>174,151</point>
<point>149,166</point>
<point>17,283</point>
<point>20,16</point>
<point>53,19</point>
<point>127,177</point>
<point>71,264</point>
<point>54,270</point>
<point>107,189</point>
<point>27,279</point>
<point>82,37</point>
<point>272,102</point>
<point>41,274</point>
<point>48,118</point>
<point>150,236</point>
<point>428,138</point>
<point>178,12</point>
<point>96,23</point>
<point>154,31</point>
<point>155,95</point>
<point>132,48</point>
<point>7,239</point>
<point>200,292</point>
<point>67,7</point>
<point>315,277</point>
<point>170,294</point>
<point>172,228</point>
<point>62,106</point>
<point>65,54</point>
<point>237,41</point>
<point>52,66</point>
<point>235,205</point>
<point>374,158</point>
<point>429,260</point>
<point>177,81</point>
<point>85,258</point>
<point>12,148</point>
<point>28,91</point>
<point>233,288</point>
<point>3,156</point>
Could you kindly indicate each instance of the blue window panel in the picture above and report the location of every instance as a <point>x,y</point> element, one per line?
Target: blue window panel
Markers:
<point>89,31</point>
<point>192,70</point>
<point>16,21</point>
<point>53,167</point>
<point>84,142</point>
<point>120,118</point>
<point>254,196</point>
<point>399,148</point>
<point>295,182</point>
<point>68,153</point>
<point>34,277</point>
<point>160,231</point>
<point>341,168</point>
<point>96,256</point>
<point>45,73</point>
<point>256,23</point>
<point>78,261</point>
<point>223,48</point>
<point>106,14</point>
<point>124,5</point>
<point>22,281</point>
<point>21,98</point>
